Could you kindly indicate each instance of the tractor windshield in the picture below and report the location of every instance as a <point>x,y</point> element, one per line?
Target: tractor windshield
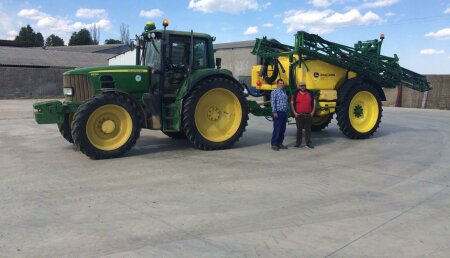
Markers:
<point>153,53</point>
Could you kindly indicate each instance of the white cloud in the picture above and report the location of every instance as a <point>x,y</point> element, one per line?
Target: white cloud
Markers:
<point>266,5</point>
<point>224,6</point>
<point>32,14</point>
<point>153,13</point>
<point>377,4</point>
<point>320,3</point>
<point>267,25</point>
<point>251,30</point>
<point>320,22</point>
<point>390,14</point>
<point>447,11</point>
<point>91,13</point>
<point>48,24</point>
<point>101,24</point>
<point>440,34</point>
<point>431,51</point>
<point>11,34</point>
<point>325,3</point>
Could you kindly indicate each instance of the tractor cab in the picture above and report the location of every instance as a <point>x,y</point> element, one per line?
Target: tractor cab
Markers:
<point>169,53</point>
<point>172,57</point>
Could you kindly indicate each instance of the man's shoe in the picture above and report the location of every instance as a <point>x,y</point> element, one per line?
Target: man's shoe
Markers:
<point>283,147</point>
<point>275,148</point>
<point>297,145</point>
<point>310,146</point>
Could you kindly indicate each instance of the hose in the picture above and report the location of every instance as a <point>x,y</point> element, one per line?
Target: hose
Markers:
<point>263,71</point>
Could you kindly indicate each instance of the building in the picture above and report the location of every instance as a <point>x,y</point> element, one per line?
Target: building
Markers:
<point>37,72</point>
<point>126,58</point>
<point>237,58</point>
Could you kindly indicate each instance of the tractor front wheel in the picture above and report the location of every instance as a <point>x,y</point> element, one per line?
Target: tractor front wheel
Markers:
<point>215,114</point>
<point>106,126</point>
<point>65,127</point>
<point>359,115</point>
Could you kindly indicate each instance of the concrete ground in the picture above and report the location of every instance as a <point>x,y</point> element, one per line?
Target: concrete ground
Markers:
<point>387,196</point>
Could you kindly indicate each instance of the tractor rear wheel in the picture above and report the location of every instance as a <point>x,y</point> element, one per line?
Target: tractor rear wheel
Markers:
<point>215,114</point>
<point>106,126</point>
<point>65,127</point>
<point>359,115</point>
<point>321,122</point>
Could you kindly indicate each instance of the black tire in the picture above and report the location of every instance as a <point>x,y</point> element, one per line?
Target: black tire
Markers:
<point>97,104</point>
<point>193,133</point>
<point>369,111</point>
<point>320,123</point>
<point>176,135</point>
<point>65,127</point>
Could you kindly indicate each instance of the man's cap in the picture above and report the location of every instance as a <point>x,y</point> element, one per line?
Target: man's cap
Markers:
<point>302,84</point>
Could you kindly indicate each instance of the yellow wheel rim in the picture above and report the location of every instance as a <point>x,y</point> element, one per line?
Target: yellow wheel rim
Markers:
<point>363,111</point>
<point>109,127</point>
<point>218,115</point>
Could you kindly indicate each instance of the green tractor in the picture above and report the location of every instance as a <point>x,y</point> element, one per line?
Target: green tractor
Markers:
<point>174,87</point>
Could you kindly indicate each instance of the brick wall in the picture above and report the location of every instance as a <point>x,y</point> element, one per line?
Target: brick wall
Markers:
<point>437,98</point>
<point>24,82</point>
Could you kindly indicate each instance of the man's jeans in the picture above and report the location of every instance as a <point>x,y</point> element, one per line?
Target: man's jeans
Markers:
<point>279,128</point>
<point>303,122</point>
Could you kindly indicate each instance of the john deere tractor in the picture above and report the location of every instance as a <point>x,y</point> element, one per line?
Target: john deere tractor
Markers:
<point>348,81</point>
<point>174,87</point>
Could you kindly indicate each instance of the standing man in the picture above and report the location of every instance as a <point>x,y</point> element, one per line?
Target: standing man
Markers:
<point>303,105</point>
<point>279,103</point>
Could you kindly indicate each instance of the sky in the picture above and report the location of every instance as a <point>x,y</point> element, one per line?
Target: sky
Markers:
<point>417,31</point>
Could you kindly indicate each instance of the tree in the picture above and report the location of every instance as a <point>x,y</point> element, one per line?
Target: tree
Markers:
<point>82,37</point>
<point>27,35</point>
<point>112,41</point>
<point>95,32</point>
<point>125,34</point>
<point>39,40</point>
<point>53,41</point>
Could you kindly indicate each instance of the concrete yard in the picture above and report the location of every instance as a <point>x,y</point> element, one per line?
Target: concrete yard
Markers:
<point>387,196</point>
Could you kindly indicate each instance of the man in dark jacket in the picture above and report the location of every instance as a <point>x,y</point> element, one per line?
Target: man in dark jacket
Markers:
<point>279,103</point>
<point>303,105</point>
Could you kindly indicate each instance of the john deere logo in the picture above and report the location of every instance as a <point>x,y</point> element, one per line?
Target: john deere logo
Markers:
<point>316,75</point>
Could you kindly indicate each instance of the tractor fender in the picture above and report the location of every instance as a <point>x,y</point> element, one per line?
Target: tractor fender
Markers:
<point>125,94</point>
<point>211,74</point>
<point>344,89</point>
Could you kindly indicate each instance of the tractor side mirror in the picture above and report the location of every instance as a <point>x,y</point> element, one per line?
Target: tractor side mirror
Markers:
<point>218,62</point>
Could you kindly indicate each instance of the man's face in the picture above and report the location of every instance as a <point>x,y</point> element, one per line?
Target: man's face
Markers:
<point>302,88</point>
<point>281,84</point>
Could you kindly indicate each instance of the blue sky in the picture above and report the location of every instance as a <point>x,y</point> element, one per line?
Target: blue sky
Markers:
<point>417,31</point>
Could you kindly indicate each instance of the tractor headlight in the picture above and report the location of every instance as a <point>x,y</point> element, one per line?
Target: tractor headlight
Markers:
<point>68,91</point>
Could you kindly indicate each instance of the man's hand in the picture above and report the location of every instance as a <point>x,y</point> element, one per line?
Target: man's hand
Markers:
<point>312,113</point>
<point>275,115</point>
<point>295,114</point>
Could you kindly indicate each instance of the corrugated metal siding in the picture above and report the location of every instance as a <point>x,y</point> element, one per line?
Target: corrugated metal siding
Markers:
<point>127,58</point>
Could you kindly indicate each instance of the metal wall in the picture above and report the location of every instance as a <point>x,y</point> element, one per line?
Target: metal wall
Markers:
<point>127,58</point>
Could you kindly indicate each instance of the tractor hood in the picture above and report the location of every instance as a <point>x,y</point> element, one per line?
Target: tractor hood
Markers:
<point>106,69</point>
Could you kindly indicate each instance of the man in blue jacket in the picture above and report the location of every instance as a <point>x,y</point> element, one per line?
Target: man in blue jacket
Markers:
<point>279,103</point>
